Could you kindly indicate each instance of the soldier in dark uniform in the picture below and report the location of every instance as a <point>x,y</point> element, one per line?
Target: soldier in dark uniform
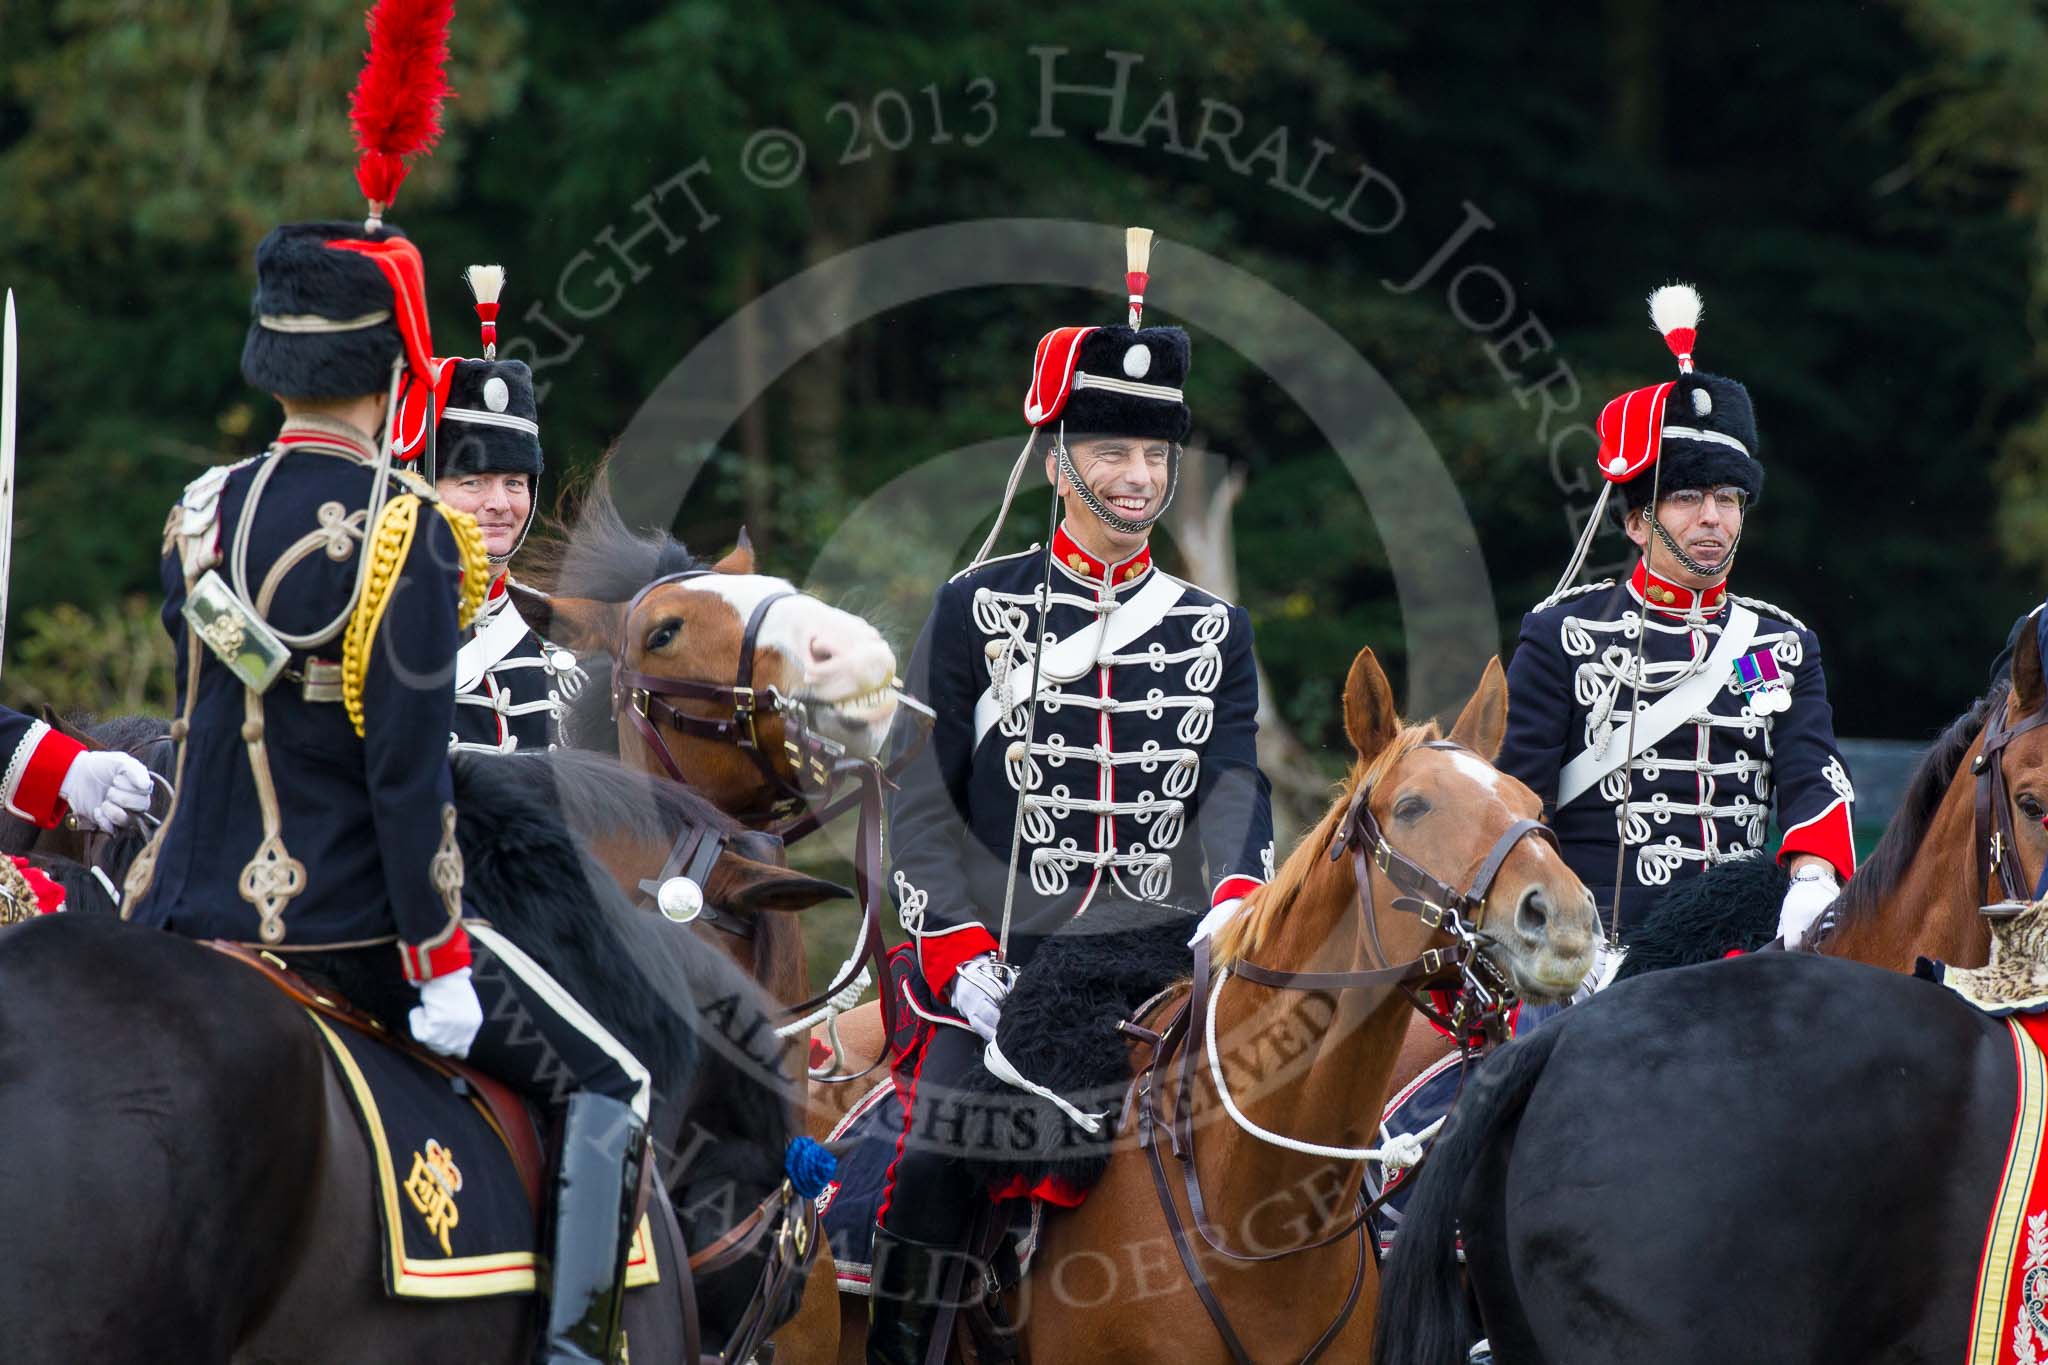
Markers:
<point>315,597</point>
<point>1664,715</point>
<point>1133,757</point>
<point>48,776</point>
<point>510,685</point>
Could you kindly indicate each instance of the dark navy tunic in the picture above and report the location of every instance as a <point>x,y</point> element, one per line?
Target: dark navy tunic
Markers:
<point>510,685</point>
<point>1142,777</point>
<point>1703,786</point>
<point>364,845</point>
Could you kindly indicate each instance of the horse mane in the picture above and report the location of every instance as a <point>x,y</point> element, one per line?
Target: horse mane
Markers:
<point>645,979</point>
<point>1880,874</point>
<point>1255,925</point>
<point>595,554</point>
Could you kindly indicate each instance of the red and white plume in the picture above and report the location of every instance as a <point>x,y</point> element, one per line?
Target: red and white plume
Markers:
<point>1675,312</point>
<point>486,282</point>
<point>1137,268</point>
<point>396,105</point>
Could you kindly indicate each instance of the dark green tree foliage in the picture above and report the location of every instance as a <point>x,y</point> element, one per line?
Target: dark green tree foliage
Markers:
<point>1753,149</point>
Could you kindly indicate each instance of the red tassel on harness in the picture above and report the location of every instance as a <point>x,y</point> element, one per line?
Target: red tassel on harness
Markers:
<point>396,105</point>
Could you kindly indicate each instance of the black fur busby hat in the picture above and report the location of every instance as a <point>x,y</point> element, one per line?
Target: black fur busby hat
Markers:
<point>322,322</point>
<point>1696,431</point>
<point>1709,440</point>
<point>1130,382</point>
<point>491,425</point>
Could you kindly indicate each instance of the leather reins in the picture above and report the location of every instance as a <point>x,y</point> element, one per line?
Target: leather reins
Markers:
<point>793,1222</point>
<point>1993,829</point>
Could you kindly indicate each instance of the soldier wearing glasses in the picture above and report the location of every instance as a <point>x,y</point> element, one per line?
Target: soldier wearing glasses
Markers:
<point>1665,713</point>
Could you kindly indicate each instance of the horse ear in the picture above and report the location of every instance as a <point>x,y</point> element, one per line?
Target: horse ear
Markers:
<point>1483,724</point>
<point>741,560</point>
<point>582,624</point>
<point>2028,690</point>
<point>1369,716</point>
<point>750,886</point>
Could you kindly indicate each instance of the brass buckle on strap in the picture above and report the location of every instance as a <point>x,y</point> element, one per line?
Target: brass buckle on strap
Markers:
<point>1431,914</point>
<point>1433,961</point>
<point>1382,855</point>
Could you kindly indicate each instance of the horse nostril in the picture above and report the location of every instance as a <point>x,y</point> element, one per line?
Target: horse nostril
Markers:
<point>821,650</point>
<point>1532,914</point>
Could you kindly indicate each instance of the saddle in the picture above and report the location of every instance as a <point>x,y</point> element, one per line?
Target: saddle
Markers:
<point>458,1155</point>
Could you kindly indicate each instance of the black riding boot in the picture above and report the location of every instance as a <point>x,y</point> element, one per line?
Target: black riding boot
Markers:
<point>596,1187</point>
<point>903,1298</point>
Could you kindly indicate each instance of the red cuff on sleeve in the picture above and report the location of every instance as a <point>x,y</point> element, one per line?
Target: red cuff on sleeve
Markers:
<point>34,795</point>
<point>1234,888</point>
<point>940,955</point>
<point>424,962</point>
<point>1829,836</point>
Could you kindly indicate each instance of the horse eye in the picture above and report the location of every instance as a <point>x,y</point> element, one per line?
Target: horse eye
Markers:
<point>2031,808</point>
<point>663,635</point>
<point>1410,808</point>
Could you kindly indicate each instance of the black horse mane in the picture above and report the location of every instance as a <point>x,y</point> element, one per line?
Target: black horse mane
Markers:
<point>649,981</point>
<point>600,557</point>
<point>1879,874</point>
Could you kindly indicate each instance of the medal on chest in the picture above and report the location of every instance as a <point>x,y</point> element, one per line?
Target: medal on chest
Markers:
<point>1758,677</point>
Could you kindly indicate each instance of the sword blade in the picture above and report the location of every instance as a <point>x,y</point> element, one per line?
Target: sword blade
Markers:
<point>8,360</point>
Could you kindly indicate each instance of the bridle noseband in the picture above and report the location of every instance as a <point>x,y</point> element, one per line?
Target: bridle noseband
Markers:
<point>1993,828</point>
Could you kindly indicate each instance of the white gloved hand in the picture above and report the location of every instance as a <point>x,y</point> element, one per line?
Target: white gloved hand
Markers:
<point>978,991</point>
<point>105,789</point>
<point>1803,905</point>
<point>448,1016</point>
<point>1218,916</point>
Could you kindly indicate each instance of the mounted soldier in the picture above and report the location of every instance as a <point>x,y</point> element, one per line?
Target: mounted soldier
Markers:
<point>1125,765</point>
<point>1660,718</point>
<point>314,595</point>
<point>511,686</point>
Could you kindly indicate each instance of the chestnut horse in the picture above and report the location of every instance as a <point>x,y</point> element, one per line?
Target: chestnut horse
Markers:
<point>640,607</point>
<point>1916,894</point>
<point>1313,1065</point>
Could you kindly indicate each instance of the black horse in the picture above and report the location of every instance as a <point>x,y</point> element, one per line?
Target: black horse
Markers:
<point>181,1176</point>
<point>1779,1158</point>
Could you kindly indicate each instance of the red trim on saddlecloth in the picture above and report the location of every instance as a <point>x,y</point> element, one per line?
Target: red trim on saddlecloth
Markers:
<point>1830,835</point>
<point>1234,888</point>
<point>423,964</point>
<point>49,895</point>
<point>1664,595</point>
<point>1051,1189</point>
<point>939,955</point>
<point>1069,553</point>
<point>35,796</point>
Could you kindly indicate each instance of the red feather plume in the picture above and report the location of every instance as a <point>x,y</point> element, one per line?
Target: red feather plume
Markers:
<point>396,105</point>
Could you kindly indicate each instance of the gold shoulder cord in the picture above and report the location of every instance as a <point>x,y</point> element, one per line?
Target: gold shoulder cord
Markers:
<point>476,563</point>
<point>388,546</point>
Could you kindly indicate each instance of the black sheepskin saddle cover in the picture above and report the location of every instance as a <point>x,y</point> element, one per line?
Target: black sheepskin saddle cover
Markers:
<point>1732,906</point>
<point>1059,1030</point>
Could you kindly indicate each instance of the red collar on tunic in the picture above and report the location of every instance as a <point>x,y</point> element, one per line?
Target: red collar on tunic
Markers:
<point>1665,595</point>
<point>1068,552</point>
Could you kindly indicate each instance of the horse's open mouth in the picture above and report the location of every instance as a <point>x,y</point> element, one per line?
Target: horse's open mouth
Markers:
<point>1543,976</point>
<point>860,720</point>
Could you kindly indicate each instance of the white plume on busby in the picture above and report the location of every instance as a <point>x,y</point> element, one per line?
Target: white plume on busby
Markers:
<point>1675,312</point>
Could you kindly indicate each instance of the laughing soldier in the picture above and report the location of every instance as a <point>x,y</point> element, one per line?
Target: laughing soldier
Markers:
<point>510,685</point>
<point>1128,769</point>
<point>1666,713</point>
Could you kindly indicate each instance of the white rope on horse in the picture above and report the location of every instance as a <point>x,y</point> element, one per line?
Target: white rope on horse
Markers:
<point>1399,1153</point>
<point>849,995</point>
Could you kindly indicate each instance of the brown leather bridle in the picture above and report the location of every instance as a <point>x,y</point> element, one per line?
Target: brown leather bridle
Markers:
<point>788,1223</point>
<point>1482,996</point>
<point>1993,832</point>
<point>827,782</point>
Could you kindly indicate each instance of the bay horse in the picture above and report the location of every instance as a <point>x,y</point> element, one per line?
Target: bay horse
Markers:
<point>717,676</point>
<point>1693,1165</point>
<point>186,1181</point>
<point>1312,1063</point>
